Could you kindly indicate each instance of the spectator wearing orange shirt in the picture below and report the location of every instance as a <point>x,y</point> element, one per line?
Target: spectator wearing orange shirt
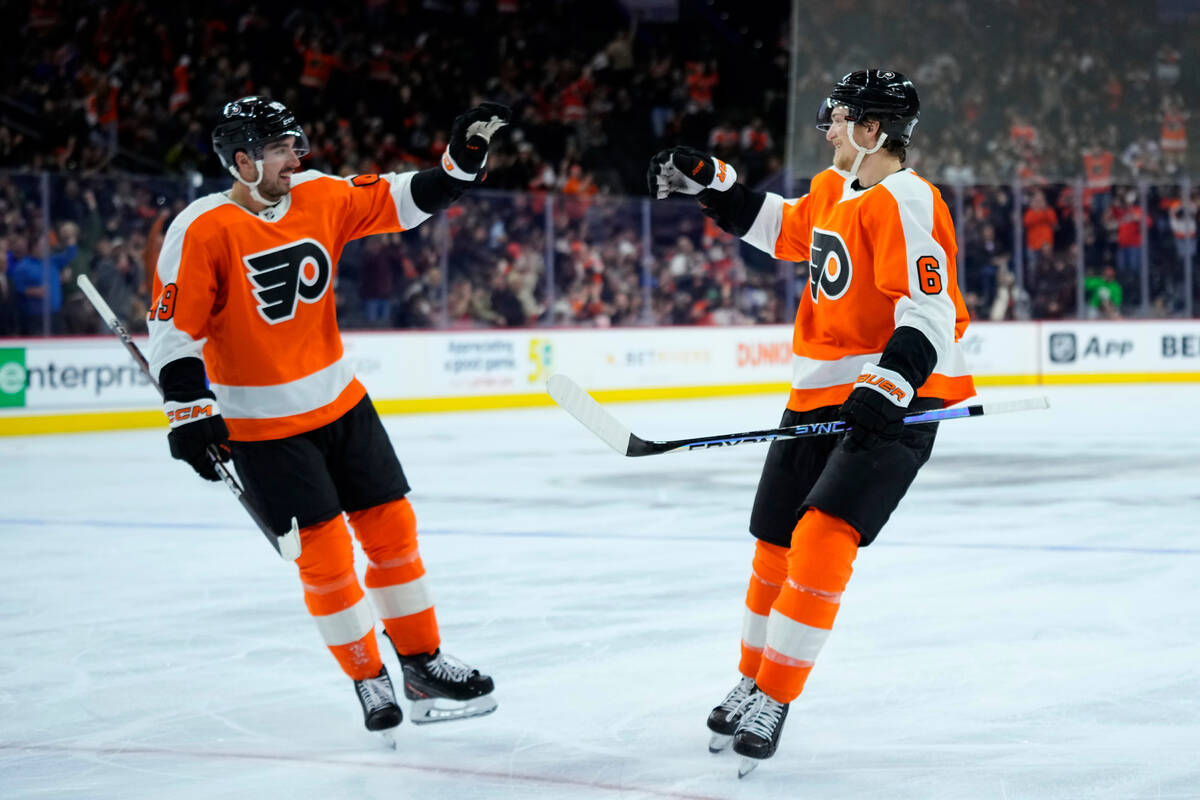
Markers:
<point>1098,169</point>
<point>1039,221</point>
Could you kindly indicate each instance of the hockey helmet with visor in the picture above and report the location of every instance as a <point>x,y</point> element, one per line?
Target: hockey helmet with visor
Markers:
<point>879,94</point>
<point>250,124</point>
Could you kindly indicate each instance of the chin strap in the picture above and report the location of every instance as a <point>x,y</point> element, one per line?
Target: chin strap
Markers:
<point>862,152</point>
<point>253,187</point>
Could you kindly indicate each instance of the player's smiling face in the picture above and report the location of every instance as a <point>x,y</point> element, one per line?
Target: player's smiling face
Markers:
<point>843,151</point>
<point>838,135</point>
<point>279,163</point>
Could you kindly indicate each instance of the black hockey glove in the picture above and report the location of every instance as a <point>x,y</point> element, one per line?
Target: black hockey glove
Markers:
<point>195,418</point>
<point>883,392</point>
<point>685,170</point>
<point>436,188</point>
<point>470,136</point>
<point>877,405</point>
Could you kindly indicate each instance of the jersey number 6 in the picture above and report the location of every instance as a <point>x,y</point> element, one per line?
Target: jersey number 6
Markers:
<point>931,278</point>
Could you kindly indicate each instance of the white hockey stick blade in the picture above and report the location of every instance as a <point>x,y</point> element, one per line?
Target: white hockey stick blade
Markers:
<point>289,545</point>
<point>1024,404</point>
<point>583,407</point>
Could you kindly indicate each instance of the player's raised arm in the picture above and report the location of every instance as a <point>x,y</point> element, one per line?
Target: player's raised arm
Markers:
<point>756,217</point>
<point>462,165</point>
<point>394,201</point>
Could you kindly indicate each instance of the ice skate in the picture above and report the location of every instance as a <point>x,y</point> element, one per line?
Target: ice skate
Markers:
<point>442,688</point>
<point>758,732</point>
<point>380,712</point>
<point>723,720</point>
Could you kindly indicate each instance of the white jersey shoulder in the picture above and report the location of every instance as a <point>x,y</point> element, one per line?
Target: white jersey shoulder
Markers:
<point>172,248</point>
<point>912,191</point>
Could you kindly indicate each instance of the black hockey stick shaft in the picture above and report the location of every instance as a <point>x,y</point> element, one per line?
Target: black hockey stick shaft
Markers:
<point>288,544</point>
<point>581,405</point>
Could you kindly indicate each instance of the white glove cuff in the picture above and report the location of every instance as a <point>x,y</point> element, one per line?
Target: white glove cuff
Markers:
<point>183,413</point>
<point>888,383</point>
<point>454,170</point>
<point>725,177</point>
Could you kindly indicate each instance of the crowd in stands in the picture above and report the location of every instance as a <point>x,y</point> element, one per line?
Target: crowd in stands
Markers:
<point>96,91</point>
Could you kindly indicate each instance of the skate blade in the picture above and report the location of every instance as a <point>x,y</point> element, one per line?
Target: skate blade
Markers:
<point>747,766</point>
<point>430,710</point>
<point>388,737</point>
<point>718,742</point>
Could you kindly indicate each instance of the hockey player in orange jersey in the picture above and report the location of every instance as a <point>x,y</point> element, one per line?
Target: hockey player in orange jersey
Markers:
<point>876,337</point>
<point>245,344</point>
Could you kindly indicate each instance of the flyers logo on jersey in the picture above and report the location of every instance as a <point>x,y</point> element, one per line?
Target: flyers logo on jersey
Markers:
<point>829,270</point>
<point>283,276</point>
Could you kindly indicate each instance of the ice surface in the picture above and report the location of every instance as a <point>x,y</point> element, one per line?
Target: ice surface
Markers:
<point>1027,626</point>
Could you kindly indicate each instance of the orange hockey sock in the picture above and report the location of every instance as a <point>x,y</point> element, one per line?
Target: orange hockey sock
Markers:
<point>819,565</point>
<point>335,599</point>
<point>769,571</point>
<point>396,577</point>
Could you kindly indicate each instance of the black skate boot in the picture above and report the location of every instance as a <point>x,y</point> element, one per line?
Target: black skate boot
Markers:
<point>443,688</point>
<point>757,734</point>
<point>380,712</point>
<point>723,720</point>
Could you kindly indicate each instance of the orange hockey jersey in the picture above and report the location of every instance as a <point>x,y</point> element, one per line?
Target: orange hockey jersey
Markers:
<point>252,294</point>
<point>880,257</point>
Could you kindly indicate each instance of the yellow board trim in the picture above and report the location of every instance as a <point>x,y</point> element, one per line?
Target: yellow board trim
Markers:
<point>1131,377</point>
<point>86,421</point>
<point>80,421</point>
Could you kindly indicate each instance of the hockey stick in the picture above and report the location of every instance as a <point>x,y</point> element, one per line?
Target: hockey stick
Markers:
<point>583,407</point>
<point>287,545</point>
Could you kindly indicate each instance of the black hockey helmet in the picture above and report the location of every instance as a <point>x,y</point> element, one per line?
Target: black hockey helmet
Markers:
<point>250,124</point>
<point>878,94</point>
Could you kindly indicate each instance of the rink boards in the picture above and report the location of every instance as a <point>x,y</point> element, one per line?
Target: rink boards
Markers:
<point>71,384</point>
